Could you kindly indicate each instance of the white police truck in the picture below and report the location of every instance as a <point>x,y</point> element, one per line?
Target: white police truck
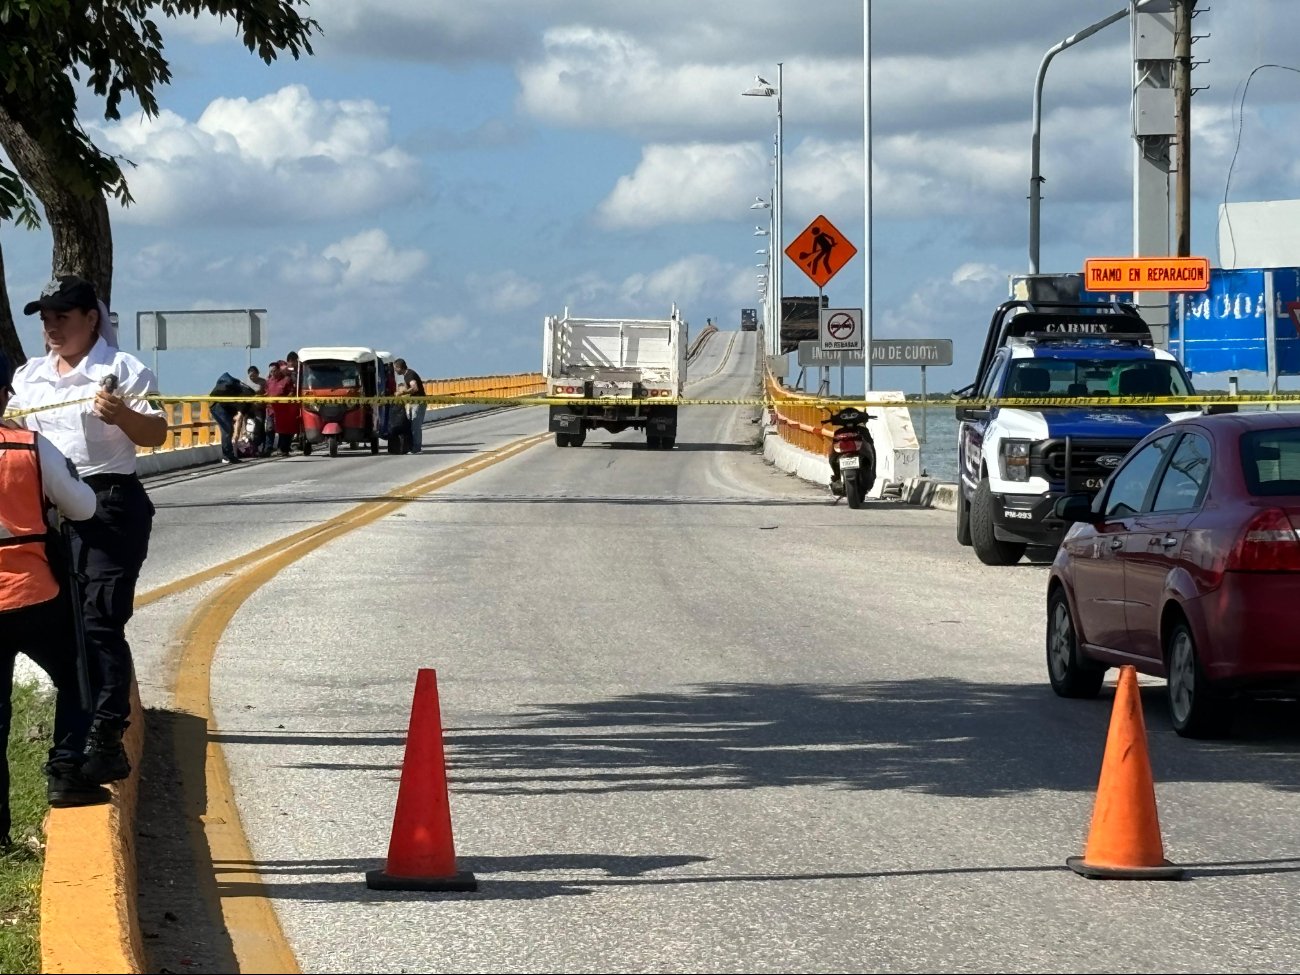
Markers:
<point>1015,462</point>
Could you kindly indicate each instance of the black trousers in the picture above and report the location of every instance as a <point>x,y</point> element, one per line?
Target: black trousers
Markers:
<point>43,632</point>
<point>110,548</point>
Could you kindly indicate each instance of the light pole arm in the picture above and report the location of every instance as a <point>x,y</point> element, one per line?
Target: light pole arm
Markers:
<point>1035,145</point>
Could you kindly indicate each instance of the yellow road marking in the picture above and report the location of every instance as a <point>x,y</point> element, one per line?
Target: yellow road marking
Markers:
<point>255,932</point>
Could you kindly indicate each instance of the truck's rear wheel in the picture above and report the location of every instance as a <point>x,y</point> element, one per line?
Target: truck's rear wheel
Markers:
<point>570,439</point>
<point>990,549</point>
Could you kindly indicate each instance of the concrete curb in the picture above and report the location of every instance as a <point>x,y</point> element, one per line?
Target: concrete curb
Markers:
<point>89,910</point>
<point>794,460</point>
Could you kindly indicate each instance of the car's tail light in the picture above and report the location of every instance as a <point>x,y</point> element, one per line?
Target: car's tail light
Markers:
<point>1269,544</point>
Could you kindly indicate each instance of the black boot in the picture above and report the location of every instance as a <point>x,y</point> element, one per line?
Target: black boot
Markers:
<point>105,757</point>
<point>68,785</point>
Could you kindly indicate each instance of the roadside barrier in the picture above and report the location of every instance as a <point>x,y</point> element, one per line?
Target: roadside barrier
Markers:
<point>700,339</point>
<point>421,854</point>
<point>1124,840</point>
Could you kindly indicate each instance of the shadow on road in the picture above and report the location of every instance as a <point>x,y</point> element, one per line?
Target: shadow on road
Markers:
<point>611,872</point>
<point>941,736</point>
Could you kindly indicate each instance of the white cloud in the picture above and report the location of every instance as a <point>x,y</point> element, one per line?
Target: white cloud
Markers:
<point>505,292</point>
<point>702,182</point>
<point>603,79</point>
<point>692,183</point>
<point>940,307</point>
<point>695,281</point>
<point>285,156</point>
<point>444,328</point>
<point>370,258</point>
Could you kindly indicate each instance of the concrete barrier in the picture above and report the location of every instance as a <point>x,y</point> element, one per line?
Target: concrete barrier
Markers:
<point>89,908</point>
<point>815,468</point>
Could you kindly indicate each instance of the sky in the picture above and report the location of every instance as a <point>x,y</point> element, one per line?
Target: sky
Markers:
<point>440,176</point>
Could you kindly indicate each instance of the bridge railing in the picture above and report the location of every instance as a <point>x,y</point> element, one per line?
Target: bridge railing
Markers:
<point>799,420</point>
<point>191,424</point>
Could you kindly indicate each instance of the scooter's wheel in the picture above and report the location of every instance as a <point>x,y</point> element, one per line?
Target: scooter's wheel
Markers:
<point>334,445</point>
<point>853,491</point>
<point>374,445</point>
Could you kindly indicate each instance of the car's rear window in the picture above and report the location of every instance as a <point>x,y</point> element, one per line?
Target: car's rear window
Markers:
<point>1271,460</point>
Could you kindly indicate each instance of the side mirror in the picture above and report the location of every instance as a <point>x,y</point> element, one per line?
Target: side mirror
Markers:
<point>969,413</point>
<point>1074,508</point>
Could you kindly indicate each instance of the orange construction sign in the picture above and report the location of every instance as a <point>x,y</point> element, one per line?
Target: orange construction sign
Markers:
<point>1147,274</point>
<point>820,251</point>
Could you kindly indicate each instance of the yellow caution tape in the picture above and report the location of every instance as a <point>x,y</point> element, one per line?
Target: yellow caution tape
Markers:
<point>828,404</point>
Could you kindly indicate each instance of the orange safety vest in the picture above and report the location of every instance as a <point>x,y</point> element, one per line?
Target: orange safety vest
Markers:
<point>26,578</point>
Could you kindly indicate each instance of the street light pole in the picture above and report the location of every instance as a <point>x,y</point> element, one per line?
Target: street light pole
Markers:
<point>866,181</point>
<point>1035,145</point>
<point>778,252</point>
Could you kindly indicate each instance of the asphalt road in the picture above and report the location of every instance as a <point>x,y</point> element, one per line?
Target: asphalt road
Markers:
<point>697,719</point>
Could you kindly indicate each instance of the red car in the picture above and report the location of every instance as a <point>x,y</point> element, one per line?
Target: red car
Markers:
<point>1186,565</point>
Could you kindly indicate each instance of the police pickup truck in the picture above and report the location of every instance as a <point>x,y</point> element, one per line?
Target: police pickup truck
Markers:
<point>1015,462</point>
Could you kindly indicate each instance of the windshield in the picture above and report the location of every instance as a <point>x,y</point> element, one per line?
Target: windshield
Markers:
<point>1095,377</point>
<point>332,375</point>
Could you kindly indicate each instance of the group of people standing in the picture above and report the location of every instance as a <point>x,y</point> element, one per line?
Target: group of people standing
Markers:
<point>273,425</point>
<point>72,462</point>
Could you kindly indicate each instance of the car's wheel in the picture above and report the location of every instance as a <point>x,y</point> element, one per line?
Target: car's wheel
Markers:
<point>963,518</point>
<point>990,549</point>
<point>1197,708</point>
<point>1071,674</point>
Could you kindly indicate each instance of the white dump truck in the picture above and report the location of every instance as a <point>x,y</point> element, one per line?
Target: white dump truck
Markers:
<point>593,363</point>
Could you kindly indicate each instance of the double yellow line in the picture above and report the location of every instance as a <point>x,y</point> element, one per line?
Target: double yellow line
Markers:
<point>216,833</point>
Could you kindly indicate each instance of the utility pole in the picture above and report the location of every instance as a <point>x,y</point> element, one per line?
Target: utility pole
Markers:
<point>1183,12</point>
<point>1154,127</point>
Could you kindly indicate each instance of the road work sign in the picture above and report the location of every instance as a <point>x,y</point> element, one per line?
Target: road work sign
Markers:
<point>841,329</point>
<point>1146,274</point>
<point>820,251</point>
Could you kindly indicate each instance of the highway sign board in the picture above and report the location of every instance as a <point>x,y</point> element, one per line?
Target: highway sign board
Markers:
<point>820,251</point>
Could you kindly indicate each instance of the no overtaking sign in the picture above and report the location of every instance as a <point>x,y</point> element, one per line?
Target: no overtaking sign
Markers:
<point>841,329</point>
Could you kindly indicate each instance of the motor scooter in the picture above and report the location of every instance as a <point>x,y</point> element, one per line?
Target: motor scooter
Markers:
<point>852,456</point>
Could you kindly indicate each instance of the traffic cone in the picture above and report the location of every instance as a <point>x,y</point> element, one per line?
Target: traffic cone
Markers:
<point>421,855</point>
<point>1124,841</point>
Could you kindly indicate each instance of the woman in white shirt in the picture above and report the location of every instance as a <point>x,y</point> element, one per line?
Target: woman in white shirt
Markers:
<point>100,437</point>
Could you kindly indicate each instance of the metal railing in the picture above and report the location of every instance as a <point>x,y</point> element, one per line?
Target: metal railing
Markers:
<point>799,420</point>
<point>190,424</point>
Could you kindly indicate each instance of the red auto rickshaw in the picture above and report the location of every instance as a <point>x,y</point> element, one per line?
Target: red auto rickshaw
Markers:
<point>339,372</point>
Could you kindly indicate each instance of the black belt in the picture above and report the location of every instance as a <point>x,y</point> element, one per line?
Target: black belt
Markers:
<point>98,481</point>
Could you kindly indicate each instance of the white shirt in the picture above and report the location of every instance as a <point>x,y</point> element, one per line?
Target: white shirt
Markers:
<point>63,489</point>
<point>95,447</point>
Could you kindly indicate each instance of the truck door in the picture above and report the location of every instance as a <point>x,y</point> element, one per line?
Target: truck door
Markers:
<point>974,423</point>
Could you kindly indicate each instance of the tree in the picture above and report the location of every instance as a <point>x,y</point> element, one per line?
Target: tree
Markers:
<point>114,48</point>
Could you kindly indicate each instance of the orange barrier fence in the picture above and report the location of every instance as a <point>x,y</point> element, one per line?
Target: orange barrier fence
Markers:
<point>191,425</point>
<point>799,423</point>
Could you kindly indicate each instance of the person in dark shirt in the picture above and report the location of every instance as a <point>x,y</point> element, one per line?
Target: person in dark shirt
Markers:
<point>410,384</point>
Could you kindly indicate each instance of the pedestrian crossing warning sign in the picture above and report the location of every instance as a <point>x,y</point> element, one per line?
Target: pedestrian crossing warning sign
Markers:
<point>820,251</point>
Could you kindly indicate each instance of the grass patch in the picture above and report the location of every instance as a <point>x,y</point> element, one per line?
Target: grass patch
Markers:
<point>20,866</point>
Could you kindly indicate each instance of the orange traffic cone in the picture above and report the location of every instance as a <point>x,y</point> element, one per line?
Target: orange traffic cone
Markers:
<point>421,855</point>
<point>1124,842</point>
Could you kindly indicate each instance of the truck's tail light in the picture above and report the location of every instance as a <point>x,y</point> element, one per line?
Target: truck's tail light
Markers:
<point>1269,544</point>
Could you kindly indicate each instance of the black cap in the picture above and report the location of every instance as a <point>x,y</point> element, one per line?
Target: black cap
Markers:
<point>64,293</point>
